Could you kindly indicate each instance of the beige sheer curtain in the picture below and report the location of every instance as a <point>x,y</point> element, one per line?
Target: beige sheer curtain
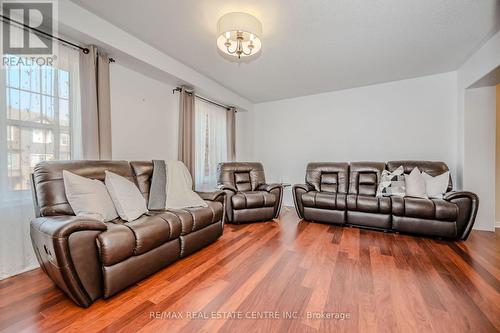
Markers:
<point>186,151</point>
<point>95,101</point>
<point>231,133</point>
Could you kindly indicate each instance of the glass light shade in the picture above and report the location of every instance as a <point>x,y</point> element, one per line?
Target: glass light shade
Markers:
<point>242,25</point>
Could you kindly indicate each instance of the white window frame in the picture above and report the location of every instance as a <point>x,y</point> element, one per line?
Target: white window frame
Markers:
<point>55,127</point>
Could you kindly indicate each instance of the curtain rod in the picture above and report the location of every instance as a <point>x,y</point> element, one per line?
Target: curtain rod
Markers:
<point>38,31</point>
<point>85,50</point>
<point>204,99</point>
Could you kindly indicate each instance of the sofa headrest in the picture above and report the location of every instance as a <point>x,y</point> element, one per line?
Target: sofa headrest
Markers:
<point>364,177</point>
<point>328,176</point>
<point>48,181</point>
<point>244,176</point>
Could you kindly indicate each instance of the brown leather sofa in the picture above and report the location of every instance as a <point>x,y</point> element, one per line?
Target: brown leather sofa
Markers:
<point>248,197</point>
<point>89,259</point>
<point>343,193</point>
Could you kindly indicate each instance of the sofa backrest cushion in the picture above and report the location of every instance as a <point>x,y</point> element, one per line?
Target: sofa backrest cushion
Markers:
<point>328,176</point>
<point>364,177</point>
<point>244,176</point>
<point>48,183</point>
<point>430,167</point>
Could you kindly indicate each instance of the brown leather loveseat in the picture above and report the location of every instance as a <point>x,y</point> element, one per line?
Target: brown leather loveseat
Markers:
<point>248,197</point>
<point>343,193</point>
<point>89,259</point>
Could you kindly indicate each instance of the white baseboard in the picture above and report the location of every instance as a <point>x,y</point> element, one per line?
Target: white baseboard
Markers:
<point>29,268</point>
<point>497,224</point>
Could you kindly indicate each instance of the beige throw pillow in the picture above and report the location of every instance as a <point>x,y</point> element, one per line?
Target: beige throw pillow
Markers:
<point>128,200</point>
<point>89,197</point>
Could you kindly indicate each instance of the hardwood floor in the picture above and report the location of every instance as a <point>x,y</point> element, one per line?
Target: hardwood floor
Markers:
<point>372,281</point>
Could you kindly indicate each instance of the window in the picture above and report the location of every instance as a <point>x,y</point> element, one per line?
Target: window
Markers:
<point>38,105</point>
<point>211,144</point>
<point>65,139</point>
<point>37,117</point>
<point>37,111</point>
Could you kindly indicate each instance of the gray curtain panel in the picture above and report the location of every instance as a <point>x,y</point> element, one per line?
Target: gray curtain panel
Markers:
<point>187,129</point>
<point>231,133</point>
<point>96,109</point>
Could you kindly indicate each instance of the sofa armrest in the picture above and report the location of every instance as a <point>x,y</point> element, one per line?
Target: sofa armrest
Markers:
<point>297,191</point>
<point>277,190</point>
<point>304,187</point>
<point>219,196</point>
<point>468,204</point>
<point>63,226</point>
<point>228,188</point>
<point>66,249</point>
<point>230,191</point>
<point>212,196</point>
<point>268,187</point>
<point>459,194</point>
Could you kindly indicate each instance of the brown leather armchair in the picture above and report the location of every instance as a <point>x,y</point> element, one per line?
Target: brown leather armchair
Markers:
<point>248,197</point>
<point>89,259</point>
<point>343,193</point>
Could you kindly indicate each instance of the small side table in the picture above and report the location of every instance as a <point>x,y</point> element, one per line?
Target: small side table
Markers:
<point>285,185</point>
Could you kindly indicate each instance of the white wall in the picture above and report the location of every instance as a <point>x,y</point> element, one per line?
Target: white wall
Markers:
<point>409,119</point>
<point>480,64</point>
<point>497,158</point>
<point>244,136</point>
<point>480,117</point>
<point>145,118</point>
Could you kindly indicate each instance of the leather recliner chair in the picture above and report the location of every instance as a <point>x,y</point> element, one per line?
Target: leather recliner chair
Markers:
<point>343,193</point>
<point>248,197</point>
<point>89,259</point>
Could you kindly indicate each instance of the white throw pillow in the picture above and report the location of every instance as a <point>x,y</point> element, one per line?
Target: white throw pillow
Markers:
<point>415,184</point>
<point>436,186</point>
<point>88,197</point>
<point>127,198</point>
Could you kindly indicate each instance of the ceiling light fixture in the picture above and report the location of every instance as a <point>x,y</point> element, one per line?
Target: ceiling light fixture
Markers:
<point>239,35</point>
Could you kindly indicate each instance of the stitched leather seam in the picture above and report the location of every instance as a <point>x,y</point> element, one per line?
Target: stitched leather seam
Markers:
<point>194,220</point>
<point>169,227</point>
<point>182,225</point>
<point>213,213</point>
<point>135,236</point>
<point>434,204</point>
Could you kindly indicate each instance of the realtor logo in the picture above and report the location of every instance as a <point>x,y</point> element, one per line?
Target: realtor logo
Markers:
<point>20,41</point>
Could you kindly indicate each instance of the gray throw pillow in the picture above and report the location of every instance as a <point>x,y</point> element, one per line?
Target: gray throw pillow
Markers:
<point>392,183</point>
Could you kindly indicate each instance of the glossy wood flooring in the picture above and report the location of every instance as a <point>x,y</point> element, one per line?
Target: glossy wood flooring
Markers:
<point>363,280</point>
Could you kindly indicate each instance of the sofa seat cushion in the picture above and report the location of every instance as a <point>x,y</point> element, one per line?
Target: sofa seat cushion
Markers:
<point>324,200</point>
<point>253,199</point>
<point>193,219</point>
<point>431,209</point>
<point>125,239</point>
<point>153,230</point>
<point>368,204</point>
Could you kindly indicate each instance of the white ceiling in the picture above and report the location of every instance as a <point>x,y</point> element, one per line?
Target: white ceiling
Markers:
<point>313,46</point>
